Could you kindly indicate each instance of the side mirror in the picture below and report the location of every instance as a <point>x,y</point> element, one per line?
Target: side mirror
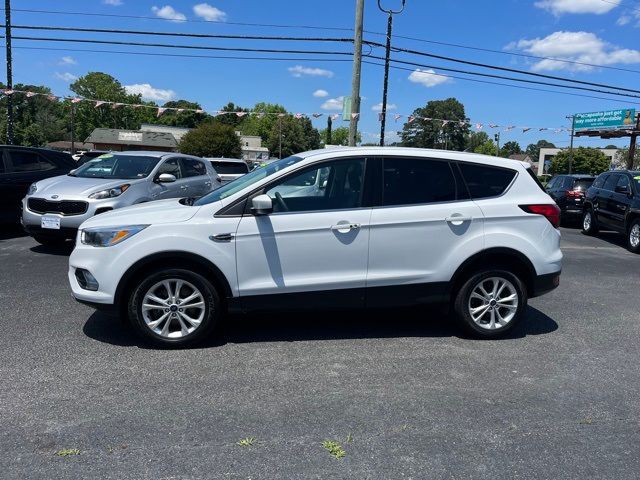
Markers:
<point>166,178</point>
<point>71,172</point>
<point>623,189</point>
<point>262,205</point>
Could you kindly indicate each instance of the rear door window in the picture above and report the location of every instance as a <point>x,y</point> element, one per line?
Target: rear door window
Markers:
<point>485,181</point>
<point>193,168</point>
<point>25,161</point>
<point>411,181</point>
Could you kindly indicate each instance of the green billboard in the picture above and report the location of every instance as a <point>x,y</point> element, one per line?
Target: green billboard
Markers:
<point>623,118</point>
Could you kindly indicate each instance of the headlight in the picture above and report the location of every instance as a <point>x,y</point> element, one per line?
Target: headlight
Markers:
<point>33,189</point>
<point>110,193</point>
<point>108,236</point>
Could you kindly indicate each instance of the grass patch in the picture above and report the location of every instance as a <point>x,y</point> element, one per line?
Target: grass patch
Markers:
<point>68,452</point>
<point>334,448</point>
<point>247,442</point>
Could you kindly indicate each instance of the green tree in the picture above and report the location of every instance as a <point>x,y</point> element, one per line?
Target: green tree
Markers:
<point>585,160</point>
<point>33,136</point>
<point>212,139</point>
<point>228,119</point>
<point>185,119</point>
<point>431,133</point>
<point>339,136</point>
<point>487,148</point>
<point>102,86</point>
<point>475,139</point>
<point>261,125</point>
<point>533,149</point>
<point>510,148</point>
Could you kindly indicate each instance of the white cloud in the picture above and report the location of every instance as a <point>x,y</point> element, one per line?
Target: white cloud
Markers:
<point>168,13</point>
<point>320,93</point>
<point>623,20</point>
<point>581,47</point>
<point>66,77</point>
<point>428,78</point>
<point>209,13</point>
<point>67,60</point>
<point>150,93</point>
<point>378,107</point>
<point>558,7</point>
<point>299,71</point>
<point>115,3</point>
<point>333,104</point>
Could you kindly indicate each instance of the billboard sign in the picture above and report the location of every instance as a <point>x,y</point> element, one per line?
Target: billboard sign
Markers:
<point>622,118</point>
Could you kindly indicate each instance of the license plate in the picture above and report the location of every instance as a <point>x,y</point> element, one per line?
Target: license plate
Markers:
<point>50,222</point>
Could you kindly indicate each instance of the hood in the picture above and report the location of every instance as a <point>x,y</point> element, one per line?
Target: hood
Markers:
<point>78,186</point>
<point>151,213</point>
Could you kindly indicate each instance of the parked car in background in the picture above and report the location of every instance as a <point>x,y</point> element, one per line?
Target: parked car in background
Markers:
<point>228,169</point>
<point>613,203</point>
<point>388,227</point>
<point>84,157</point>
<point>54,208</point>
<point>568,191</point>
<point>19,168</point>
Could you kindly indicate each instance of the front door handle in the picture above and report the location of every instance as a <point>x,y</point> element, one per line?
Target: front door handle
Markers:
<point>222,237</point>
<point>345,227</point>
<point>457,220</point>
<point>183,187</point>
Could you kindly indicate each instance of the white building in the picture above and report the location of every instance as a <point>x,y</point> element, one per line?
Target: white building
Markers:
<point>547,154</point>
<point>252,149</point>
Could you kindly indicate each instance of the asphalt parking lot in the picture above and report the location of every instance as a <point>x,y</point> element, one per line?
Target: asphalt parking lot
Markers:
<point>401,391</point>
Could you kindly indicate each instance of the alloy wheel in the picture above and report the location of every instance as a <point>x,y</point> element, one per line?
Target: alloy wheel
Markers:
<point>493,303</point>
<point>173,308</point>
<point>634,236</point>
<point>586,221</point>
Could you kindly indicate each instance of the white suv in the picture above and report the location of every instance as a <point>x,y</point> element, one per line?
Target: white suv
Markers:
<point>376,227</point>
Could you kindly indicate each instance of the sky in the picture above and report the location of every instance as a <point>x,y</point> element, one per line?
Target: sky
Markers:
<point>597,32</point>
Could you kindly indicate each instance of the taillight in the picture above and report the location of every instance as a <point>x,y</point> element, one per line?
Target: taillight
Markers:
<point>550,212</point>
<point>574,193</point>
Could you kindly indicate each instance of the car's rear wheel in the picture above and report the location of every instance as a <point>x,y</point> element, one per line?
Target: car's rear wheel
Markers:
<point>589,224</point>
<point>633,237</point>
<point>490,303</point>
<point>174,307</point>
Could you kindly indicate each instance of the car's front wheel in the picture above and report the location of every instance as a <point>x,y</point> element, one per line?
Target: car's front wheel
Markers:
<point>589,224</point>
<point>490,303</point>
<point>174,307</point>
<point>633,237</point>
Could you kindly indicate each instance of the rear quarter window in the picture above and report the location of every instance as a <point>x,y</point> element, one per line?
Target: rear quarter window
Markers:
<point>486,181</point>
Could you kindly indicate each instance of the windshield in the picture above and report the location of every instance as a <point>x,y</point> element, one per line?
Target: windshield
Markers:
<point>113,165</point>
<point>247,180</point>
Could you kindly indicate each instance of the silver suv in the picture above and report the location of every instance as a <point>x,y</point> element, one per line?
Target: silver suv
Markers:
<point>55,207</point>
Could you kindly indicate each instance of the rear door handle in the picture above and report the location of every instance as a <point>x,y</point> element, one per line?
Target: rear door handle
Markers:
<point>183,187</point>
<point>345,227</point>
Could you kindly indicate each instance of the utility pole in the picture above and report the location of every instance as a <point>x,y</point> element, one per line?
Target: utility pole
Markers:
<point>7,29</point>
<point>357,69</point>
<point>73,129</point>
<point>497,138</point>
<point>573,128</point>
<point>385,88</point>
<point>279,136</point>
<point>329,125</point>
<point>632,144</point>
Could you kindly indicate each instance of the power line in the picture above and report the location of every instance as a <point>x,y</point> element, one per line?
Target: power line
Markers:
<point>506,69</point>
<point>512,86</point>
<point>165,45</point>
<point>502,77</point>
<point>341,29</point>
<point>180,34</point>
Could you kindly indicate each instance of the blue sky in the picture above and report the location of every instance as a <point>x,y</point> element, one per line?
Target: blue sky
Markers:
<point>590,31</point>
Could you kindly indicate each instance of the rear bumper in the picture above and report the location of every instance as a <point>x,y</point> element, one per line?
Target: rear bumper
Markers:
<point>545,283</point>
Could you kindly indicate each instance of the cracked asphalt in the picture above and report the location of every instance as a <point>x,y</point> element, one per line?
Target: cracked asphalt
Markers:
<point>558,398</point>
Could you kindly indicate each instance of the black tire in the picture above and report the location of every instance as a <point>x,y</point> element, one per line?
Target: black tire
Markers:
<point>591,227</point>
<point>211,303</point>
<point>49,241</point>
<point>633,244</point>
<point>462,304</point>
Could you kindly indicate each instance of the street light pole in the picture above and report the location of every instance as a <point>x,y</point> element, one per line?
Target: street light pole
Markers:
<point>573,127</point>
<point>357,69</point>
<point>7,28</point>
<point>385,88</point>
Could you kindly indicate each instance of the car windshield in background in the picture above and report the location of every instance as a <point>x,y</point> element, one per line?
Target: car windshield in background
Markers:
<point>113,165</point>
<point>583,183</point>
<point>230,168</point>
<point>247,180</point>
